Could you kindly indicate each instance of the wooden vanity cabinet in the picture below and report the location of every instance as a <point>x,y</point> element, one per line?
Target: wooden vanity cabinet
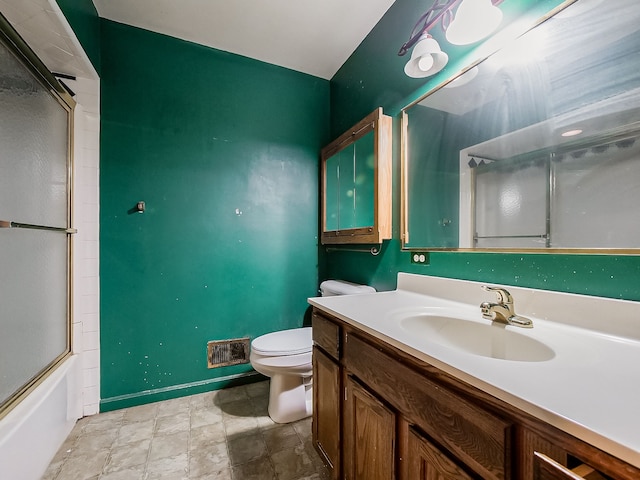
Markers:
<point>327,393</point>
<point>381,414</point>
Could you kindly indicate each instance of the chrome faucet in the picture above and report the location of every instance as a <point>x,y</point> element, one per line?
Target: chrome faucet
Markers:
<point>503,311</point>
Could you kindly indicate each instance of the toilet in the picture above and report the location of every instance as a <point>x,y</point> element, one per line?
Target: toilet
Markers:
<point>285,357</point>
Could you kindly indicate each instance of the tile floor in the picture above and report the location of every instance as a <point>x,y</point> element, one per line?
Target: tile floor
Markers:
<point>226,434</point>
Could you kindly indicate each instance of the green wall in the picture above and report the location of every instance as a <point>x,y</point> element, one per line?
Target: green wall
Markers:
<point>83,18</point>
<point>373,76</point>
<point>224,151</point>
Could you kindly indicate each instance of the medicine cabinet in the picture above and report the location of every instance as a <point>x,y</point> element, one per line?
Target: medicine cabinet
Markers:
<point>356,183</point>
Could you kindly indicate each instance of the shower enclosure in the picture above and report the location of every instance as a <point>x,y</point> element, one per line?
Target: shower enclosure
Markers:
<point>36,115</point>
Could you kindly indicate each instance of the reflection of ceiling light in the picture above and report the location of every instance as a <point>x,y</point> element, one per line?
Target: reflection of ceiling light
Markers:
<point>474,20</point>
<point>426,58</point>
<point>571,133</point>
<point>463,79</point>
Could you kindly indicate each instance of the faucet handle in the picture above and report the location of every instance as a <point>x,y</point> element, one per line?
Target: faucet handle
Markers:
<point>504,296</point>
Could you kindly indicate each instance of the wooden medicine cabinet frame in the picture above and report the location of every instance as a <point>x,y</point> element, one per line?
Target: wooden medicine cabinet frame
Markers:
<point>382,126</point>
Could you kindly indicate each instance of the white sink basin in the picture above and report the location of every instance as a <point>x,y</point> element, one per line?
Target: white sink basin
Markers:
<point>488,340</point>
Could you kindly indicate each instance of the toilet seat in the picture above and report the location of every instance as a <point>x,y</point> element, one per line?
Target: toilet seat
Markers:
<point>291,342</point>
<point>283,361</point>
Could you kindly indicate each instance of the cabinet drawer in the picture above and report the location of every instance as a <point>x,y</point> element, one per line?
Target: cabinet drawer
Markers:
<point>478,438</point>
<point>326,334</point>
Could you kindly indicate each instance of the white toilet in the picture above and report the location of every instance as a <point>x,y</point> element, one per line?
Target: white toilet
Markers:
<point>285,357</point>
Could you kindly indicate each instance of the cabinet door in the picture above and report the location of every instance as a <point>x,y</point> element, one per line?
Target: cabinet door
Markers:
<point>369,435</point>
<point>326,410</point>
<point>426,462</point>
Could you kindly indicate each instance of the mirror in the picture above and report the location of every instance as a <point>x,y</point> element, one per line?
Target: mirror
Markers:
<point>536,148</point>
<point>356,183</point>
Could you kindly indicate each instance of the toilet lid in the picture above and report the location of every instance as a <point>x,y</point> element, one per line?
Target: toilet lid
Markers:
<point>284,342</point>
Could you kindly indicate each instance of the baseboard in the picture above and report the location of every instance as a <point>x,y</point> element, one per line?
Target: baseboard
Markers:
<point>176,391</point>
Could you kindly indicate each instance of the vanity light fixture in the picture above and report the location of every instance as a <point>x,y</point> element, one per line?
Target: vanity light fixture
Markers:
<point>473,21</point>
<point>426,58</point>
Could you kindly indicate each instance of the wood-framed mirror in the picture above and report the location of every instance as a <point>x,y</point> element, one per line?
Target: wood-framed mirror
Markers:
<point>537,147</point>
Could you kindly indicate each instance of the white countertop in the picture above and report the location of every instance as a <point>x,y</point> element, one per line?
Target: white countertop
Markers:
<point>591,386</point>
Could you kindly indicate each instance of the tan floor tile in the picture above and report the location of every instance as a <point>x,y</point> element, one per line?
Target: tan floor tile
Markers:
<point>224,474</point>
<point>168,468</point>
<point>226,434</point>
<point>246,449</point>
<point>293,464</point>
<point>163,446</point>
<point>264,420</point>
<point>174,406</point>
<point>303,428</point>
<point>128,456</point>
<point>257,470</point>
<point>179,422</point>
<point>233,394</point>
<point>130,473</point>
<point>258,389</point>
<point>94,441</point>
<point>203,401</point>
<point>237,410</point>
<point>66,448</point>
<point>135,432</point>
<point>203,437</point>
<point>242,426</point>
<point>209,460</point>
<point>140,413</point>
<point>83,466</point>
<point>200,418</point>
<point>260,405</point>
<point>104,421</point>
<point>280,437</point>
<point>316,460</point>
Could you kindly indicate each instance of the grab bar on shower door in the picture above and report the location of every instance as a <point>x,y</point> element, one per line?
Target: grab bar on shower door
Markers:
<point>10,224</point>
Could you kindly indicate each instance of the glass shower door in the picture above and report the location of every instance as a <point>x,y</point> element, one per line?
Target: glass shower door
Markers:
<point>35,229</point>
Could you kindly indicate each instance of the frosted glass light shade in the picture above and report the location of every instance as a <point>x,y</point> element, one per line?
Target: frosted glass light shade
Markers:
<point>474,20</point>
<point>426,58</point>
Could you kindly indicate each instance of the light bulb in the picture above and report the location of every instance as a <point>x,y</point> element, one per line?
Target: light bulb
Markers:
<point>426,62</point>
<point>426,58</point>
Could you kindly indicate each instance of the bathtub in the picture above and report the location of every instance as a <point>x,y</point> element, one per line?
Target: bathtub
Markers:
<point>31,433</point>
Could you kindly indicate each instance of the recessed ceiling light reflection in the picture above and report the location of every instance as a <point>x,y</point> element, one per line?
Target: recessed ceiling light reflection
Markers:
<point>571,133</point>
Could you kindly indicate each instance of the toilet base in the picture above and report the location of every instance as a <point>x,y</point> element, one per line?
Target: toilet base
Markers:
<point>290,398</point>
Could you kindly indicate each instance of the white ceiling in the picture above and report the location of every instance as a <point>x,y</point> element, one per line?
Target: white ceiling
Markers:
<point>310,36</point>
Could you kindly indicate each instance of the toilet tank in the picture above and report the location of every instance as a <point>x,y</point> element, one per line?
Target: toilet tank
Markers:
<point>330,288</point>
